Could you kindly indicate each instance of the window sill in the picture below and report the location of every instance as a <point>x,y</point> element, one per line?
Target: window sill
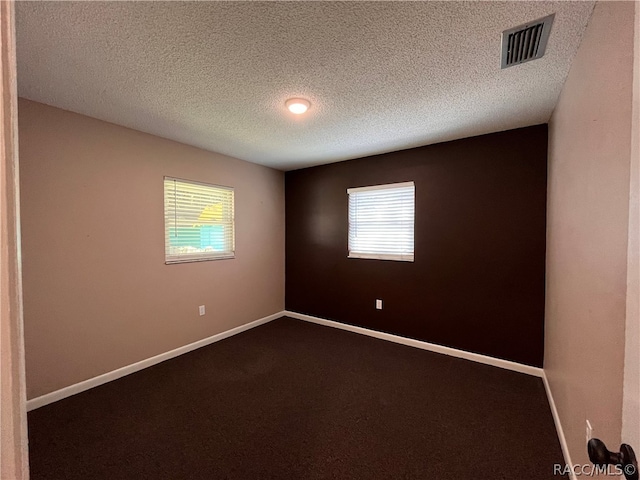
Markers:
<point>171,261</point>
<point>382,256</point>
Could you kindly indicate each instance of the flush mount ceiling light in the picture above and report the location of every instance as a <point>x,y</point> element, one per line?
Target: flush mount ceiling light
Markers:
<point>297,105</point>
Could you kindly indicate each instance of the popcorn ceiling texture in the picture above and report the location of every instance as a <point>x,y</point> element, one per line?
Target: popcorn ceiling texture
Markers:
<point>381,76</point>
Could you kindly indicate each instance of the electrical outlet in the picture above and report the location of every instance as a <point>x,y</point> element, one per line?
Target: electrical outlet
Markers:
<point>201,310</point>
<point>378,304</point>
<point>589,431</point>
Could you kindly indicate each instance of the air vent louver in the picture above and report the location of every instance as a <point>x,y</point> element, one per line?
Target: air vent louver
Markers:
<point>526,42</point>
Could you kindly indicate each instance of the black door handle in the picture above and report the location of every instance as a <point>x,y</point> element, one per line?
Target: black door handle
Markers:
<point>625,458</point>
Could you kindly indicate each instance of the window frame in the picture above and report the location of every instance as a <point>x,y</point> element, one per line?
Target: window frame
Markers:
<point>198,257</point>
<point>403,257</point>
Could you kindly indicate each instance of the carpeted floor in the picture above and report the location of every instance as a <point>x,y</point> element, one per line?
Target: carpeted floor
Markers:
<point>293,400</point>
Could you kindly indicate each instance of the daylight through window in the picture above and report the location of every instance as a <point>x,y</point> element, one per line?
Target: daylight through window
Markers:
<point>198,221</point>
<point>381,221</point>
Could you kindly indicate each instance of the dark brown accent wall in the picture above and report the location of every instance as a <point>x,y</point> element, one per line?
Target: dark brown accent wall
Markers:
<point>477,283</point>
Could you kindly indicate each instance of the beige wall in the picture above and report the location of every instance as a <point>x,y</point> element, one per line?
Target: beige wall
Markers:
<point>97,294</point>
<point>13,418</point>
<point>588,205</point>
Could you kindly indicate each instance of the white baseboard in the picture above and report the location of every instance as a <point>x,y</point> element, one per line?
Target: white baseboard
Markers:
<point>496,362</point>
<point>135,367</point>
<point>475,357</point>
<point>556,420</point>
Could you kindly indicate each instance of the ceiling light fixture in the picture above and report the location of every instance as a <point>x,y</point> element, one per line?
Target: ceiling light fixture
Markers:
<point>297,105</point>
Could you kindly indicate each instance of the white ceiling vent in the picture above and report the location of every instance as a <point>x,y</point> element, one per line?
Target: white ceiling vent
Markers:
<point>526,42</point>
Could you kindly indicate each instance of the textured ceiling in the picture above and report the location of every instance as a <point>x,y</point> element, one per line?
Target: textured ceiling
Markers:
<point>381,76</point>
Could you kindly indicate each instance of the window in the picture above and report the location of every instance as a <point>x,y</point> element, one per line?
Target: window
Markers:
<point>381,221</point>
<point>198,221</point>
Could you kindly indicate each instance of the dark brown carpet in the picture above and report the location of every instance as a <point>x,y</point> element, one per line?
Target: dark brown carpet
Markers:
<point>293,400</point>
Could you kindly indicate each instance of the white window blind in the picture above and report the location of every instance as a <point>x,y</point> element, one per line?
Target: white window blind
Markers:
<point>381,221</point>
<point>198,221</point>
